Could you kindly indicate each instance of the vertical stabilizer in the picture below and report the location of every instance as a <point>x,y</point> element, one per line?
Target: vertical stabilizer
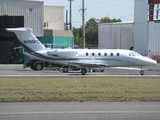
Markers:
<point>27,39</point>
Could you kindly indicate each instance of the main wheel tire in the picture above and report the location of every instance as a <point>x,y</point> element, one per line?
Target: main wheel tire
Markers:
<point>83,71</point>
<point>102,70</point>
<point>38,66</point>
<point>32,67</point>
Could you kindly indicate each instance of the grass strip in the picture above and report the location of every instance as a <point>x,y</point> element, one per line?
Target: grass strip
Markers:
<point>105,89</point>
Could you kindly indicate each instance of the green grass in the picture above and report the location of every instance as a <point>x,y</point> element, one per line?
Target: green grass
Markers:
<point>80,89</point>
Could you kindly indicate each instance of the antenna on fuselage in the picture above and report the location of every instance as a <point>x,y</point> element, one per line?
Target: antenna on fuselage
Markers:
<point>131,48</point>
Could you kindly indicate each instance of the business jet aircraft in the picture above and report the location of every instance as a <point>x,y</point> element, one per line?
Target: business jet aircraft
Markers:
<point>84,59</point>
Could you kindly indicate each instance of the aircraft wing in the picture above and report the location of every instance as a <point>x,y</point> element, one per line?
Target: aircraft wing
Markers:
<point>86,64</point>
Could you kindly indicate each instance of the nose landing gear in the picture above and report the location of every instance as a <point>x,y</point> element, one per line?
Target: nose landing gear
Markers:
<point>142,72</point>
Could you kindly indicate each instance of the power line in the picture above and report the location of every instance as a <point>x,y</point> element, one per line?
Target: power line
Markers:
<point>110,4</point>
<point>127,16</point>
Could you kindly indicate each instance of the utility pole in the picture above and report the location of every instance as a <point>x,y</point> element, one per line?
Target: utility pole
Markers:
<point>83,22</point>
<point>157,16</point>
<point>70,18</point>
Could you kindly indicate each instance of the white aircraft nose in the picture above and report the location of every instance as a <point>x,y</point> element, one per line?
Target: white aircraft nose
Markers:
<point>147,61</point>
<point>155,62</point>
<point>152,62</point>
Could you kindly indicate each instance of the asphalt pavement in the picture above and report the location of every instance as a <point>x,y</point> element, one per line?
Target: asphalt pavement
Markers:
<point>80,111</point>
<point>18,71</point>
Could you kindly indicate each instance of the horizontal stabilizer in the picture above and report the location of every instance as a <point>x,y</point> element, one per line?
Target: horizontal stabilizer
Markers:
<point>18,29</point>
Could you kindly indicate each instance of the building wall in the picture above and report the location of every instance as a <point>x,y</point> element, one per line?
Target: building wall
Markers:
<point>154,40</point>
<point>63,41</point>
<point>121,36</point>
<point>60,38</point>
<point>115,35</point>
<point>31,10</point>
<point>54,17</point>
<point>140,26</point>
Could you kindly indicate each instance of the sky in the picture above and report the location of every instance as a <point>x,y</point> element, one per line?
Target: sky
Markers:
<point>119,9</point>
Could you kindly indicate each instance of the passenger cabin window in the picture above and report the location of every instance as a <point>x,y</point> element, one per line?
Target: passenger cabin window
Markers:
<point>117,54</point>
<point>86,54</point>
<point>99,54</point>
<point>92,54</point>
<point>111,54</point>
<point>105,54</point>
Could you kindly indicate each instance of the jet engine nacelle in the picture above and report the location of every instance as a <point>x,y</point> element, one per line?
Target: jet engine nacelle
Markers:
<point>63,54</point>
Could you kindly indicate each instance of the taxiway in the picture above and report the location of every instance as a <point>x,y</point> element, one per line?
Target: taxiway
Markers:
<point>19,71</point>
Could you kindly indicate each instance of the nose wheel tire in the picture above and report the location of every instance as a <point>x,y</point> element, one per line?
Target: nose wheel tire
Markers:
<point>142,72</point>
<point>83,71</point>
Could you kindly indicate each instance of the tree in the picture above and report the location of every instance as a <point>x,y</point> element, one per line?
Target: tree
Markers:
<point>91,31</point>
<point>108,20</point>
<point>77,32</point>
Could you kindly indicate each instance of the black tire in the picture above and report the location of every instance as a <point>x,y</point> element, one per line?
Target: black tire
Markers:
<point>142,72</point>
<point>38,66</point>
<point>83,71</point>
<point>102,70</point>
<point>32,67</point>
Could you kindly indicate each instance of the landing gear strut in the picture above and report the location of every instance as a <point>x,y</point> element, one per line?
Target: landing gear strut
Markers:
<point>142,72</point>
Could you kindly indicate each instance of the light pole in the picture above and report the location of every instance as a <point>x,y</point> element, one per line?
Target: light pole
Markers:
<point>70,14</point>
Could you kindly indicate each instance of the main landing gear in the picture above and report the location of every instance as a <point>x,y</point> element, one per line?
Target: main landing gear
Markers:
<point>83,71</point>
<point>38,65</point>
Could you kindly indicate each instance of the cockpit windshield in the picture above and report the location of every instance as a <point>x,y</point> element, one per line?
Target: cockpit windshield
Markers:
<point>134,54</point>
<point>137,54</point>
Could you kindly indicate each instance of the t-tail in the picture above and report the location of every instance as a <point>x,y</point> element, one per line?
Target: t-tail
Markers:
<point>27,39</point>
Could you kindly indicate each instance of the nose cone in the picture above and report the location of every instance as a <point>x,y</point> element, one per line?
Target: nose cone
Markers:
<point>154,62</point>
<point>150,62</point>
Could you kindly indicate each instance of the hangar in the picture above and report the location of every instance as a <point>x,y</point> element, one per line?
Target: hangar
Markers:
<point>33,14</point>
<point>24,13</point>
<point>143,34</point>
